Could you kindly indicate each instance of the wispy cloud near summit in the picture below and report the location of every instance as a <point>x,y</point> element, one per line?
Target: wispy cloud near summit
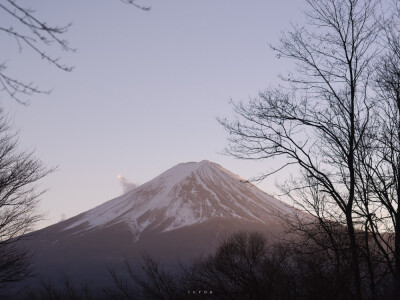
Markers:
<point>126,184</point>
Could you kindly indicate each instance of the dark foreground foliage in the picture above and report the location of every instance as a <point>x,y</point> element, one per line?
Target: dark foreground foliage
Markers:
<point>244,266</point>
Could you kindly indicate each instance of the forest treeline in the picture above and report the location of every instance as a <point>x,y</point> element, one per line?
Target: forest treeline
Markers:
<point>244,266</point>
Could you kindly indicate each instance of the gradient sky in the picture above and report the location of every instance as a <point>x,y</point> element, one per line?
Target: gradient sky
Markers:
<point>145,92</point>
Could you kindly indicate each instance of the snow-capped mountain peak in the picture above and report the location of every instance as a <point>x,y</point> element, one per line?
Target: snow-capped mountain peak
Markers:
<point>187,194</point>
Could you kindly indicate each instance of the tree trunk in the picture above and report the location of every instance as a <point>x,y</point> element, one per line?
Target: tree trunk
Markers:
<point>354,256</point>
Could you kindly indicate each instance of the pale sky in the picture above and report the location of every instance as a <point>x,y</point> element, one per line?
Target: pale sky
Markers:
<point>145,92</point>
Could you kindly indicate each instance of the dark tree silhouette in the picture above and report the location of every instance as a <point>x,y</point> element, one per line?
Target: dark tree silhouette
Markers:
<point>379,154</point>
<point>319,122</point>
<point>240,268</point>
<point>31,32</point>
<point>20,172</point>
<point>243,266</point>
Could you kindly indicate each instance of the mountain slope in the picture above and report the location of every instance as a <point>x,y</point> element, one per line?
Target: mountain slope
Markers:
<point>181,214</point>
<point>186,194</point>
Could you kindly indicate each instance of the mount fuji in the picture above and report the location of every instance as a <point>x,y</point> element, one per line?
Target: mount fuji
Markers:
<point>179,215</point>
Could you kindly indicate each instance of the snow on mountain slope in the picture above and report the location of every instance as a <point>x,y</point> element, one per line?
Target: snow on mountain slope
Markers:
<point>187,194</point>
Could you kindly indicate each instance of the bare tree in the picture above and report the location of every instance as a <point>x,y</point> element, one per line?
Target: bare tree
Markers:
<point>239,269</point>
<point>146,281</point>
<point>319,122</point>
<point>20,172</point>
<point>29,31</point>
<point>245,266</point>
<point>379,155</point>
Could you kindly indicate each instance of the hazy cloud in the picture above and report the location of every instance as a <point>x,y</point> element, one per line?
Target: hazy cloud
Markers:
<point>126,184</point>
<point>63,217</point>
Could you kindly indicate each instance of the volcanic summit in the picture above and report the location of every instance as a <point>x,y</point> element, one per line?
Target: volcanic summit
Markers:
<point>179,215</point>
